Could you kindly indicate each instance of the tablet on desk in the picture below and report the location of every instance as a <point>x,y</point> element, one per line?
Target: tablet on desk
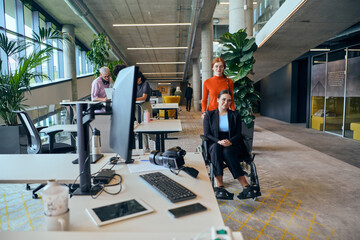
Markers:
<point>118,211</point>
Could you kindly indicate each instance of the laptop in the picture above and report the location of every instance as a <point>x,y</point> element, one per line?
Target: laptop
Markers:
<point>109,92</point>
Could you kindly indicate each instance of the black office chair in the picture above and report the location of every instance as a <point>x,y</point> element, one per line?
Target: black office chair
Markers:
<point>34,145</point>
<point>248,164</point>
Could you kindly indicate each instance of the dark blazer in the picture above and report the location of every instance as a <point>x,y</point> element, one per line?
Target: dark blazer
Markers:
<point>188,92</point>
<point>211,127</point>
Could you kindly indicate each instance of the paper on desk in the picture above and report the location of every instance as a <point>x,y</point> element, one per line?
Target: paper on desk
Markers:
<point>144,166</point>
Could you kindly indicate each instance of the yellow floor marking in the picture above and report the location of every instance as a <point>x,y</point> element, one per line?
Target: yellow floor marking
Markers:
<point>7,215</point>
<point>311,224</point>
<point>17,217</point>
<point>27,212</point>
<point>0,221</point>
<point>292,217</point>
<point>262,202</point>
<point>262,230</point>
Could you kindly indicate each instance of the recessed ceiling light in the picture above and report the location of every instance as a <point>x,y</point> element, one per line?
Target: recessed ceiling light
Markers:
<point>151,24</point>
<point>163,73</point>
<point>156,48</point>
<point>149,63</point>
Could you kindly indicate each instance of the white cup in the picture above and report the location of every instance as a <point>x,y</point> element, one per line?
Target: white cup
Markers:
<point>58,223</point>
<point>55,198</point>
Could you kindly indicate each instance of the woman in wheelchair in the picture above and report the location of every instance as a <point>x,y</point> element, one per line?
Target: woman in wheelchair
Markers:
<point>223,129</point>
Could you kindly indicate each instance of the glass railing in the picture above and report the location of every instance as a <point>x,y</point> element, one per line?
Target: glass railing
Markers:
<point>264,10</point>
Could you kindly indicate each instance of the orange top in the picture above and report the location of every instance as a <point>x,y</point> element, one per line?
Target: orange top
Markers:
<point>212,87</point>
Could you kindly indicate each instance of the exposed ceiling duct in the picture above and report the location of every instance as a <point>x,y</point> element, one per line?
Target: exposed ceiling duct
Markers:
<point>80,9</point>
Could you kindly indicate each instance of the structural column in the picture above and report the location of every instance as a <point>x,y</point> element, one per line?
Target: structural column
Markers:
<point>206,50</point>
<point>69,60</point>
<point>241,16</point>
<point>196,84</point>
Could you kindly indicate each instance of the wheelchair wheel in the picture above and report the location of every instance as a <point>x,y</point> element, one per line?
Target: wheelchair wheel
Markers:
<point>254,180</point>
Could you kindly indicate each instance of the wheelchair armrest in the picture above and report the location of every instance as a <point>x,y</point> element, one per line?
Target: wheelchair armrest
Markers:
<point>247,138</point>
<point>204,138</point>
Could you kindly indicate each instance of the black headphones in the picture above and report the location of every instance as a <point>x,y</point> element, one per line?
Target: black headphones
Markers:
<point>105,82</point>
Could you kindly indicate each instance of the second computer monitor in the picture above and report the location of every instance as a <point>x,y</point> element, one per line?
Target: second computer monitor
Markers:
<point>123,112</point>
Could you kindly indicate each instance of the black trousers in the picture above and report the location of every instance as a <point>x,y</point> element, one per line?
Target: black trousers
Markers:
<point>231,155</point>
<point>188,104</point>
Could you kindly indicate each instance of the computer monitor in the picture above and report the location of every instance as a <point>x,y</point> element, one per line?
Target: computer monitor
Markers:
<point>123,113</point>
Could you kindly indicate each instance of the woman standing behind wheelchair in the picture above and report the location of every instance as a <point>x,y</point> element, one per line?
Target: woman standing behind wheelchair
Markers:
<point>214,85</point>
<point>223,129</point>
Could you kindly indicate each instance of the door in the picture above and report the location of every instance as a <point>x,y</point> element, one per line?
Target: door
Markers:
<point>334,92</point>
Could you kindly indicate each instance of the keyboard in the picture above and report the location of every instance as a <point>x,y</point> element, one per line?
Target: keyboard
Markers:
<point>172,190</point>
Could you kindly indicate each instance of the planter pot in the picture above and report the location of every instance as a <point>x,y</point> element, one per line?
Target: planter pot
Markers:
<point>13,140</point>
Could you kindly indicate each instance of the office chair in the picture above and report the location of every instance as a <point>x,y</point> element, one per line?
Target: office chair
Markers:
<point>247,164</point>
<point>34,145</point>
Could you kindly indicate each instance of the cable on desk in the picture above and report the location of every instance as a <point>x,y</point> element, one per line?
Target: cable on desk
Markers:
<point>72,184</point>
<point>103,186</point>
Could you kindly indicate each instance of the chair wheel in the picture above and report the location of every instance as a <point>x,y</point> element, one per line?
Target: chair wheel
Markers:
<point>28,187</point>
<point>35,196</point>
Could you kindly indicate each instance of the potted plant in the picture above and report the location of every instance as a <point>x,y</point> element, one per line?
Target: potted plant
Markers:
<point>237,51</point>
<point>99,54</point>
<point>15,82</point>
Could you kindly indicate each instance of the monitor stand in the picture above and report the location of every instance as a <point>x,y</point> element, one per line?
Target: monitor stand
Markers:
<point>93,191</point>
<point>93,158</point>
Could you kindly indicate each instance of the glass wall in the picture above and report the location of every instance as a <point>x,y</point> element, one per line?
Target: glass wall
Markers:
<point>264,10</point>
<point>335,92</point>
<point>352,97</point>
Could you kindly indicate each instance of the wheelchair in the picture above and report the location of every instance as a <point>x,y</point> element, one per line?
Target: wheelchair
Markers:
<point>247,165</point>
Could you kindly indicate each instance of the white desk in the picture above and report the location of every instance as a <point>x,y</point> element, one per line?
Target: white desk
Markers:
<point>160,220</point>
<point>154,100</point>
<point>156,225</point>
<point>160,128</point>
<point>38,168</point>
<point>108,235</point>
<point>166,107</point>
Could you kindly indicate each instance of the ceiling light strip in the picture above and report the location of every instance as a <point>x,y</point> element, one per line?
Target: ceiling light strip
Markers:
<point>151,63</point>
<point>157,48</point>
<point>319,49</point>
<point>282,22</point>
<point>151,24</point>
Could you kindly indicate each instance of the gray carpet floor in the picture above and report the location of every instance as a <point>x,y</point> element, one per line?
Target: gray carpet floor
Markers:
<point>309,182</point>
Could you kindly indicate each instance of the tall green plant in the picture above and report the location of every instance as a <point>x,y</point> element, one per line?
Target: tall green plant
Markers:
<point>99,54</point>
<point>14,83</point>
<point>237,51</point>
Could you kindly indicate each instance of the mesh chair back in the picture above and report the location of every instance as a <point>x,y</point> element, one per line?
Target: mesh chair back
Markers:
<point>34,141</point>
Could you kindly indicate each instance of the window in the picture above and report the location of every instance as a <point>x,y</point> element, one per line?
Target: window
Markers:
<point>29,19</point>
<point>28,22</point>
<point>10,21</point>
<point>14,59</point>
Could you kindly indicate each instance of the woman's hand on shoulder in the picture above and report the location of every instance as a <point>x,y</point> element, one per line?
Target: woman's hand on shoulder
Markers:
<point>203,115</point>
